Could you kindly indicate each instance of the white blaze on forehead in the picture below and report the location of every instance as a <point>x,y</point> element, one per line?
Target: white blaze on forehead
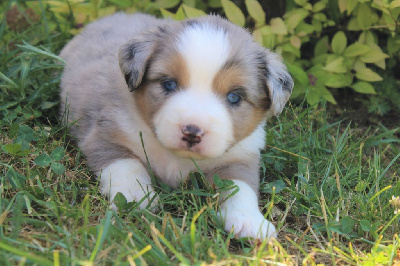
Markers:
<point>205,50</point>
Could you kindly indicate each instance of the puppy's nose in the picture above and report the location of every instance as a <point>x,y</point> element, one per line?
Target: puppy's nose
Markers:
<point>192,134</point>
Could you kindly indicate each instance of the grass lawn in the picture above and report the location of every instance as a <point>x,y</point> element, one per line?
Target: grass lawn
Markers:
<point>328,185</point>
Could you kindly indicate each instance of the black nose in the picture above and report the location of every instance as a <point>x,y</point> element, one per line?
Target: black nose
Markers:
<point>192,134</point>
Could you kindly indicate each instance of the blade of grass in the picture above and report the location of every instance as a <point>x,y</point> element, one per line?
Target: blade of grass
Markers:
<point>25,254</point>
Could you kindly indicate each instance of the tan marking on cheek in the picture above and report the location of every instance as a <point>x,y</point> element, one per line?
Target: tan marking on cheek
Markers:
<point>149,100</point>
<point>150,97</point>
<point>252,110</point>
<point>245,120</point>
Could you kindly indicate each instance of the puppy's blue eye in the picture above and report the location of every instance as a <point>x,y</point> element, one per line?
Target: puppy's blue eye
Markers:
<point>233,98</point>
<point>170,85</point>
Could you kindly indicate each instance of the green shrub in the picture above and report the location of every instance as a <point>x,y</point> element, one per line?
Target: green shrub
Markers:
<point>327,45</point>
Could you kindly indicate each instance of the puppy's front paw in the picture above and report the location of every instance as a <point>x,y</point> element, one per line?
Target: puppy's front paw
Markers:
<point>241,213</point>
<point>129,177</point>
<point>249,223</point>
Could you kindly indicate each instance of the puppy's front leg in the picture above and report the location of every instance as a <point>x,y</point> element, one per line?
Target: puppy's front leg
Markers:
<point>129,177</point>
<point>240,212</point>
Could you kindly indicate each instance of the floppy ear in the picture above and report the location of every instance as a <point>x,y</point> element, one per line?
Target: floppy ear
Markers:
<point>133,60</point>
<point>276,80</point>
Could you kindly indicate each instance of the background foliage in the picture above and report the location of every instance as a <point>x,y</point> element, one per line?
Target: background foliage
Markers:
<point>330,47</point>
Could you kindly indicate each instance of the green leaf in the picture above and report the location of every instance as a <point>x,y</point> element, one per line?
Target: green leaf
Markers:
<point>352,25</point>
<point>43,160</point>
<point>347,224</point>
<point>166,3</point>
<point>304,29</point>
<point>180,14</point>
<point>122,3</point>
<point>320,17</point>
<point>278,26</point>
<point>167,14</point>
<point>367,37</point>
<point>351,5</point>
<point>393,44</point>
<point>374,55</point>
<point>301,2</point>
<point>367,74</point>
<point>287,47</point>
<point>294,17</point>
<point>336,66</point>
<point>363,87</point>
<point>342,5</point>
<point>24,136</point>
<point>339,42</point>
<point>214,3</point>
<point>13,149</point>
<point>191,12</point>
<point>327,95</point>
<point>269,41</point>
<point>334,226</point>
<point>278,184</point>
<point>381,64</point>
<point>233,13</point>
<point>395,4</point>
<point>364,15</point>
<point>191,3</point>
<point>318,76</point>
<point>57,168</point>
<point>356,49</point>
<point>295,41</point>
<point>322,46</point>
<point>316,93</point>
<point>58,153</point>
<point>120,201</point>
<point>48,105</point>
<point>105,11</point>
<point>339,80</point>
<point>26,133</point>
<point>365,225</point>
<point>218,181</point>
<point>255,10</point>
<point>298,73</point>
<point>319,6</point>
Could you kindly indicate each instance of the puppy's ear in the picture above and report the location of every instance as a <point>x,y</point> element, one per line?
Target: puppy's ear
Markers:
<point>133,60</point>
<point>276,80</point>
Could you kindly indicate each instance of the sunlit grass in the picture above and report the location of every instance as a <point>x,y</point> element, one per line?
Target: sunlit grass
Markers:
<point>326,184</point>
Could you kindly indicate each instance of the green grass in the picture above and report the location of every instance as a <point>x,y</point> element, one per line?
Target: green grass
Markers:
<point>326,184</point>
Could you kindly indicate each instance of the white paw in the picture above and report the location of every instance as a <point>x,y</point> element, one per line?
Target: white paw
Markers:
<point>241,214</point>
<point>129,177</point>
<point>246,223</point>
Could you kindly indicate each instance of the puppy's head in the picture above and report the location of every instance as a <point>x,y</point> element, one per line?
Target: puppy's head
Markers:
<point>203,85</point>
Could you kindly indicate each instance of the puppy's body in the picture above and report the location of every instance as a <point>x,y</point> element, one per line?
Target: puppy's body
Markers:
<point>178,83</point>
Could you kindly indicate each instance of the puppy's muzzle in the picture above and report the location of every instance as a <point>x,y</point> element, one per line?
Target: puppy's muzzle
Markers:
<point>192,134</point>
